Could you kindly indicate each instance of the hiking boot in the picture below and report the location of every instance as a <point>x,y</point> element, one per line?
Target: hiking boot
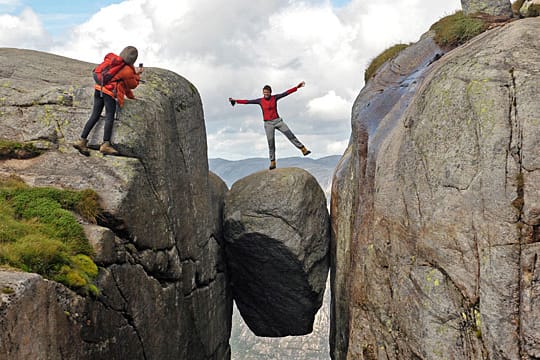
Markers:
<point>272,165</point>
<point>305,151</point>
<point>81,145</point>
<point>107,149</point>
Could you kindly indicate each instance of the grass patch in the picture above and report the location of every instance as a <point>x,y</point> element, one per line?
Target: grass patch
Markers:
<point>516,5</point>
<point>383,57</point>
<point>17,150</point>
<point>7,290</point>
<point>39,233</point>
<point>457,29</point>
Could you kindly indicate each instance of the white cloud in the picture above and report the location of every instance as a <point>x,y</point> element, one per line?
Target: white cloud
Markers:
<point>236,142</point>
<point>233,48</point>
<point>23,31</point>
<point>330,106</point>
<point>386,22</point>
<point>9,5</point>
<point>336,147</point>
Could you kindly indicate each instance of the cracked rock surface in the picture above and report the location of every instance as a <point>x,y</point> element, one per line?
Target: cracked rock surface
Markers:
<point>276,227</point>
<point>443,240</point>
<point>491,7</point>
<point>164,291</point>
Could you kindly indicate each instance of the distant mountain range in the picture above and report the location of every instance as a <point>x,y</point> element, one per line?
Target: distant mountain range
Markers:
<point>244,344</point>
<point>231,171</point>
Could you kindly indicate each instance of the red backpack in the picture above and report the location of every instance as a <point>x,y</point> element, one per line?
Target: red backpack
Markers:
<point>104,72</point>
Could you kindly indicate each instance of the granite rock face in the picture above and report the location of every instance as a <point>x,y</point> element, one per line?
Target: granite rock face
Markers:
<point>377,109</point>
<point>490,7</point>
<point>276,227</point>
<point>164,292</point>
<point>442,183</point>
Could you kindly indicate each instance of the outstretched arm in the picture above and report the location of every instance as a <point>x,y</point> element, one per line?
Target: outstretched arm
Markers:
<point>291,90</point>
<point>237,101</point>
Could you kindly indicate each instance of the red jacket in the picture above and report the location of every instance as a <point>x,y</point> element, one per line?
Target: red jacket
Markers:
<point>269,106</point>
<point>123,82</point>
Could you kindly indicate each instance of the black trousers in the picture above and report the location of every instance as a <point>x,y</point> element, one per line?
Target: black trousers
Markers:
<point>110,109</point>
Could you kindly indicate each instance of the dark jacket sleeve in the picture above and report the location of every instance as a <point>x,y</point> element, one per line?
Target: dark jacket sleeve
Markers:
<point>254,101</point>
<point>288,92</point>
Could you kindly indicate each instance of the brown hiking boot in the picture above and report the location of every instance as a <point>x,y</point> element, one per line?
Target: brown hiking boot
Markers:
<point>305,151</point>
<point>107,149</point>
<point>81,145</point>
<point>272,165</point>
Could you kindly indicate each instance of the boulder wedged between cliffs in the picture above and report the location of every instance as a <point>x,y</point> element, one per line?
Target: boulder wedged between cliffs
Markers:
<point>276,227</point>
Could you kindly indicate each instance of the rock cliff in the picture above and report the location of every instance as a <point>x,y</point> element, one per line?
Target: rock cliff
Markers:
<point>162,281</point>
<point>436,203</point>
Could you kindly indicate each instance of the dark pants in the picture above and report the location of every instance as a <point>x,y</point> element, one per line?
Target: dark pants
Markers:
<point>110,109</point>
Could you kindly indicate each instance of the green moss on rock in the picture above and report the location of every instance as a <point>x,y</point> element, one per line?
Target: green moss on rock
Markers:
<point>16,150</point>
<point>516,5</point>
<point>457,29</point>
<point>7,290</point>
<point>383,57</point>
<point>39,233</point>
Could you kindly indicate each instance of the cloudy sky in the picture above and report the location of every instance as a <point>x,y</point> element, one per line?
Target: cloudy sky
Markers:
<point>233,48</point>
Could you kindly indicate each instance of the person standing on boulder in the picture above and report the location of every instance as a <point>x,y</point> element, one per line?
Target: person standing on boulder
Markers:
<point>273,121</point>
<point>109,95</point>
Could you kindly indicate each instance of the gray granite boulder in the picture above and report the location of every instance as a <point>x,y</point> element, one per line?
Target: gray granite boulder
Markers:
<point>276,227</point>
<point>490,7</point>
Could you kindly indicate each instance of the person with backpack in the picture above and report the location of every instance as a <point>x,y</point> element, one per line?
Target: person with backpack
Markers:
<point>115,78</point>
<point>273,121</point>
